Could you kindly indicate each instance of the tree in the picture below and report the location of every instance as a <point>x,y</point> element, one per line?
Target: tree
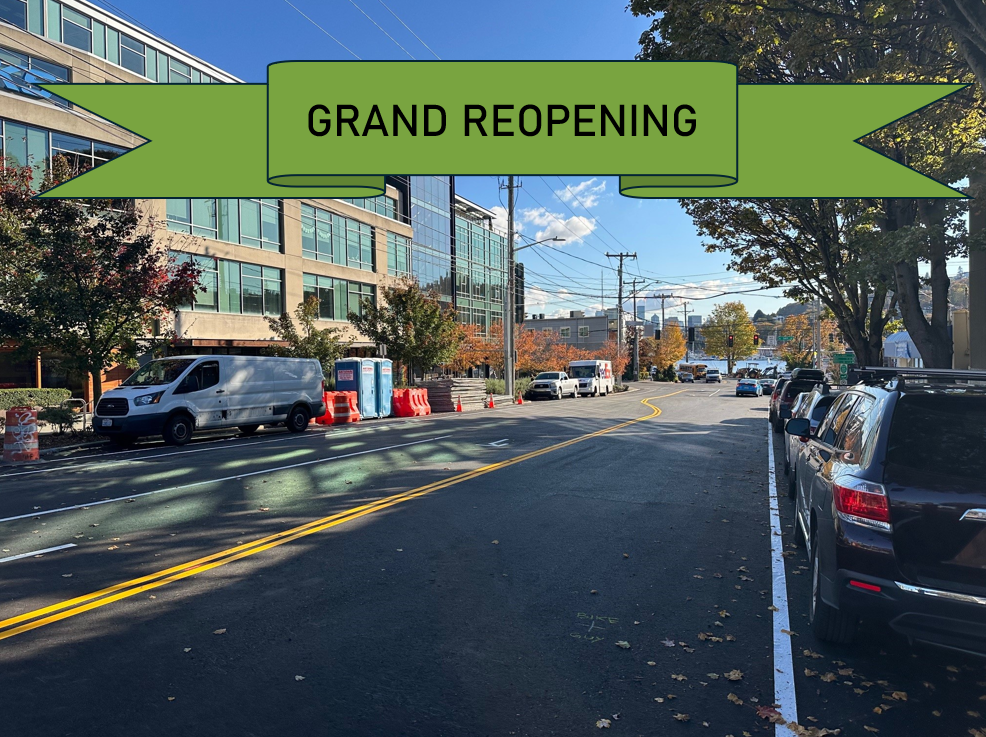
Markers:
<point>729,318</point>
<point>93,280</point>
<point>664,352</point>
<point>414,325</point>
<point>311,341</point>
<point>906,40</point>
<point>799,352</point>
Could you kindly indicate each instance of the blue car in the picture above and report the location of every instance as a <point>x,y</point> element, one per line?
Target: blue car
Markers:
<point>748,388</point>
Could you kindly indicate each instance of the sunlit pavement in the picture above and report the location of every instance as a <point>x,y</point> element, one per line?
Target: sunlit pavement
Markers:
<point>457,575</point>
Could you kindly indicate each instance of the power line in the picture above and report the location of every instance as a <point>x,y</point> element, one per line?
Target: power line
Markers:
<point>381,28</point>
<point>409,29</point>
<point>300,12</point>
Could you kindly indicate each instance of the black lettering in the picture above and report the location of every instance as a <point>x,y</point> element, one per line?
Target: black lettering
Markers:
<point>477,121</point>
<point>662,125</point>
<point>690,121</point>
<point>370,125</point>
<point>343,120</point>
<point>633,121</point>
<point>412,127</point>
<point>428,110</point>
<point>326,123</point>
<point>603,114</point>
<point>552,120</point>
<point>579,120</point>
<point>497,120</point>
<point>520,120</point>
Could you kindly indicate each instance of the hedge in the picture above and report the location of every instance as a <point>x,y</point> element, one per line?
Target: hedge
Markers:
<point>32,397</point>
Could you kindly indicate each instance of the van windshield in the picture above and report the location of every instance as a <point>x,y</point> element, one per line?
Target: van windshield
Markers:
<point>159,373</point>
<point>582,372</point>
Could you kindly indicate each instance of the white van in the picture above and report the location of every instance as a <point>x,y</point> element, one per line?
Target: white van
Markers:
<point>595,377</point>
<point>173,397</point>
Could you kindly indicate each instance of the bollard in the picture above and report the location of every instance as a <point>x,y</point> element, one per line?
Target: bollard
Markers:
<point>20,440</point>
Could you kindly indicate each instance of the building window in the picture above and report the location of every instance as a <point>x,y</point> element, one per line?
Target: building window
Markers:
<point>133,55</point>
<point>583,331</point>
<point>235,288</point>
<point>359,244</point>
<point>398,255</point>
<point>335,239</point>
<point>24,74</point>
<point>179,73</point>
<point>381,205</point>
<point>76,29</point>
<point>565,332</point>
<point>254,223</point>
<point>14,12</point>
<point>337,297</point>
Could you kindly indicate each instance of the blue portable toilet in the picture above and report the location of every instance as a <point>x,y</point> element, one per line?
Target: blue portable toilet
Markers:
<point>358,375</point>
<point>385,385</point>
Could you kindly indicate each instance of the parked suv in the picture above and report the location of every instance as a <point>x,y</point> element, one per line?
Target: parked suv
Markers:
<point>784,395</point>
<point>891,500</point>
<point>814,405</point>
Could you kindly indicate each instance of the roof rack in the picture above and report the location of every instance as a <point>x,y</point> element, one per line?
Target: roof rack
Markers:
<point>896,378</point>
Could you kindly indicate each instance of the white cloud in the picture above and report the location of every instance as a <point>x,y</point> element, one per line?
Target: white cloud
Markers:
<point>587,193</point>
<point>556,225</point>
<point>500,222</point>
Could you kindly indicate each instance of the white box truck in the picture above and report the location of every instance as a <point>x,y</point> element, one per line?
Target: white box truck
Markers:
<point>174,397</point>
<point>595,377</point>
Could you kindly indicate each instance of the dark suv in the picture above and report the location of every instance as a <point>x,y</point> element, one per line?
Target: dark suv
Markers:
<point>785,394</point>
<point>891,500</point>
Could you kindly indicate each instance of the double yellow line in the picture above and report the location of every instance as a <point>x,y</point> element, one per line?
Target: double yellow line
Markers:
<point>72,607</point>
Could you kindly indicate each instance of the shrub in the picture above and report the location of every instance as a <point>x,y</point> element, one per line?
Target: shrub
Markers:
<point>498,386</point>
<point>63,417</point>
<point>32,397</point>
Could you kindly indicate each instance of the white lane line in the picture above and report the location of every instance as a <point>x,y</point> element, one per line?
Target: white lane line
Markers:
<point>37,552</point>
<point>499,443</point>
<point>715,392</point>
<point>197,449</point>
<point>784,694</point>
<point>218,481</point>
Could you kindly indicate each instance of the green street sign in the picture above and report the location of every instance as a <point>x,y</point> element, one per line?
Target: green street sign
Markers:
<point>843,370</point>
<point>784,338</point>
<point>844,358</point>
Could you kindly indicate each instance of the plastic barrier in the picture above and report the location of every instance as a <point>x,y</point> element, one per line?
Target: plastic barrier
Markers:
<point>420,402</point>
<point>354,405</point>
<point>20,440</point>
<point>401,403</point>
<point>329,417</point>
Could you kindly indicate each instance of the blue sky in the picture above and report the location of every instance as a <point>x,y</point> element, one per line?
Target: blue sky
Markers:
<point>242,37</point>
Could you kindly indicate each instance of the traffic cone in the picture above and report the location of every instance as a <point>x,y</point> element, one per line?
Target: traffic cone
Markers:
<point>458,405</point>
<point>520,398</point>
<point>491,404</point>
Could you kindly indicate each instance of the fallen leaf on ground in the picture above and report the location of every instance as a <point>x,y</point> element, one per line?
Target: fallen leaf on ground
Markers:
<point>682,717</point>
<point>771,714</point>
<point>870,729</point>
<point>66,575</point>
<point>591,592</point>
<point>299,678</point>
<point>651,662</point>
<point>667,643</point>
<point>789,633</point>
<point>812,654</point>
<point>809,672</point>
<point>496,542</point>
<point>735,699</point>
<point>603,724</point>
<point>713,676</point>
<point>624,644</point>
<point>829,677</point>
<point>734,675</point>
<point>264,509</point>
<point>626,555</point>
<point>113,547</point>
<point>773,608</point>
<point>899,696</point>
<point>679,677</point>
<point>171,698</point>
<point>723,613</point>
<point>187,650</point>
<point>659,700</point>
<point>221,631</point>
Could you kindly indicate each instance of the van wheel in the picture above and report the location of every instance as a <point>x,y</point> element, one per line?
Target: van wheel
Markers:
<point>827,623</point>
<point>248,429</point>
<point>298,420</point>
<point>177,430</point>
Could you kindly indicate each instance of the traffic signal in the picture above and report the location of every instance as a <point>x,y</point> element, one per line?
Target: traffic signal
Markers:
<point>730,341</point>
<point>756,339</point>
<point>691,335</point>
<point>657,334</point>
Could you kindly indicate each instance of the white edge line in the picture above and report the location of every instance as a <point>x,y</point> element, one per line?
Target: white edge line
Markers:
<point>37,552</point>
<point>784,692</point>
<point>218,481</point>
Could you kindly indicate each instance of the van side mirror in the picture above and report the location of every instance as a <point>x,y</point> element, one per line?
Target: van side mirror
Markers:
<point>799,427</point>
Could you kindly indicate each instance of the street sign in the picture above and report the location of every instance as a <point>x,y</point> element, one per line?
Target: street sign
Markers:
<point>844,358</point>
<point>784,338</point>
<point>843,372</point>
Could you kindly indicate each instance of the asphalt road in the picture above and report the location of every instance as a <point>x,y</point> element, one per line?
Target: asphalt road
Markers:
<point>523,571</point>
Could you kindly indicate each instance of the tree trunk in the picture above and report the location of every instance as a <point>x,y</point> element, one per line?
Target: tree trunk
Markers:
<point>933,343</point>
<point>97,385</point>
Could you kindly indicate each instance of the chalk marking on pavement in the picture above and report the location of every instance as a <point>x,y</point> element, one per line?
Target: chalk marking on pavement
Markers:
<point>28,621</point>
<point>217,481</point>
<point>37,552</point>
<point>784,693</point>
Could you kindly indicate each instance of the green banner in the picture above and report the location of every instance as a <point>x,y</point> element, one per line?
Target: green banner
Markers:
<point>667,129</point>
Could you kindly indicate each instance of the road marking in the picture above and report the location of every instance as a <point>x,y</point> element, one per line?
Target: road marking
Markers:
<point>784,693</point>
<point>715,392</point>
<point>28,621</point>
<point>499,443</point>
<point>217,481</point>
<point>37,552</point>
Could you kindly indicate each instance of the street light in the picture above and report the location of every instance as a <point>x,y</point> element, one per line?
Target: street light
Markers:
<point>508,311</point>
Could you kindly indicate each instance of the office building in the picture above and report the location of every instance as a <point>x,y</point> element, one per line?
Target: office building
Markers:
<point>694,321</point>
<point>259,258</point>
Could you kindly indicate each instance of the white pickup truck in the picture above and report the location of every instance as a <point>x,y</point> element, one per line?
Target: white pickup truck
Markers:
<point>554,385</point>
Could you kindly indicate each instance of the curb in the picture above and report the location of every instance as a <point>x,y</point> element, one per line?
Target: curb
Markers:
<point>60,448</point>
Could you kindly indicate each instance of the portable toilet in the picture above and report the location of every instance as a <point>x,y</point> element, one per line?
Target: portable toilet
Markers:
<point>358,375</point>
<point>385,385</point>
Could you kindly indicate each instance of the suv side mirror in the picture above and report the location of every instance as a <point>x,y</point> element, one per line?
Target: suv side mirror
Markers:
<point>799,427</point>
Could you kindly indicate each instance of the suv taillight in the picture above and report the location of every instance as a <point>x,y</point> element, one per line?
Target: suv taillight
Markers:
<point>862,502</point>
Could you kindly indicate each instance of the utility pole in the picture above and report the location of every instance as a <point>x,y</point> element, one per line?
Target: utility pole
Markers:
<point>636,331</point>
<point>508,298</point>
<point>619,306</point>
<point>684,307</point>
<point>663,297</point>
